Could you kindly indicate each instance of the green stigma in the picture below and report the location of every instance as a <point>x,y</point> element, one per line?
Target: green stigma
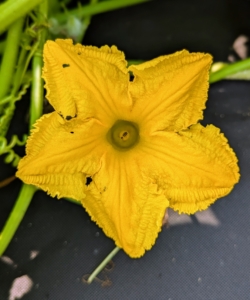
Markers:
<point>123,135</point>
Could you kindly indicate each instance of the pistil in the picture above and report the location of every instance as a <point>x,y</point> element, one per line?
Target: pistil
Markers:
<point>123,135</point>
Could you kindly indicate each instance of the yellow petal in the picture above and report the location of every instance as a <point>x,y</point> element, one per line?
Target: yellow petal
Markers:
<point>60,154</point>
<point>186,169</point>
<point>194,167</point>
<point>125,202</point>
<point>86,81</point>
<point>170,91</point>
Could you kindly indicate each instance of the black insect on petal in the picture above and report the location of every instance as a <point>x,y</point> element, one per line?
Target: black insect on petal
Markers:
<point>88,180</point>
<point>66,65</point>
<point>68,118</point>
<point>131,76</point>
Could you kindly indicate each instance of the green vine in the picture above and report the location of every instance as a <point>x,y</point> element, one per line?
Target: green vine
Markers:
<point>9,109</point>
<point>6,148</point>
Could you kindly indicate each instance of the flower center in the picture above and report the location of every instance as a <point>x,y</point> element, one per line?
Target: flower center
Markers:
<point>123,135</point>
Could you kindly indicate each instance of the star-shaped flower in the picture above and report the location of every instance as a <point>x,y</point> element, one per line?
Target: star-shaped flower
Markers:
<point>137,140</point>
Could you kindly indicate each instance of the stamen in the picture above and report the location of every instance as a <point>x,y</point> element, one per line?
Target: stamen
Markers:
<point>123,135</point>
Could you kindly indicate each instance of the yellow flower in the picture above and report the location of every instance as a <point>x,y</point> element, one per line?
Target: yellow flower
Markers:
<point>138,140</point>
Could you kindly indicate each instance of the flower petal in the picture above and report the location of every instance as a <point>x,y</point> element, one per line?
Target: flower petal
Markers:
<point>80,80</point>
<point>170,91</point>
<point>60,154</point>
<point>194,167</point>
<point>125,202</point>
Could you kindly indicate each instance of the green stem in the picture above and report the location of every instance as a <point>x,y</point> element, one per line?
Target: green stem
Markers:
<point>37,90</point>
<point>87,10</point>
<point>17,80</point>
<point>229,70</point>
<point>2,46</point>
<point>37,93</point>
<point>102,265</point>
<point>10,56</point>
<point>54,6</point>
<point>12,10</point>
<point>73,201</point>
<point>87,21</point>
<point>23,63</point>
<point>16,216</point>
<point>27,191</point>
<point>135,62</point>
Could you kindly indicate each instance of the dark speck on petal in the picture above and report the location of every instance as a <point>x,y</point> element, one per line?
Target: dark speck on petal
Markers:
<point>88,180</point>
<point>65,65</point>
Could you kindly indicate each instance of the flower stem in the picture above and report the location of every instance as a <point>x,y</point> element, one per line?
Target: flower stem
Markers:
<point>229,70</point>
<point>12,10</point>
<point>87,21</point>
<point>72,201</point>
<point>102,265</point>
<point>37,90</point>
<point>10,56</point>
<point>16,216</point>
<point>27,191</point>
<point>17,79</point>
<point>92,9</point>
<point>2,46</point>
<point>135,62</point>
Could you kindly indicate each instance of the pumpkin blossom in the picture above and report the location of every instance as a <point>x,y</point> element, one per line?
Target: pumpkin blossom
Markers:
<point>128,149</point>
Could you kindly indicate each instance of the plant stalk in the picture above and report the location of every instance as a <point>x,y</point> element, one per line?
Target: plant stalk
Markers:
<point>12,10</point>
<point>16,216</point>
<point>27,191</point>
<point>102,265</point>
<point>229,70</point>
<point>10,57</point>
<point>93,9</point>
<point>37,90</point>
